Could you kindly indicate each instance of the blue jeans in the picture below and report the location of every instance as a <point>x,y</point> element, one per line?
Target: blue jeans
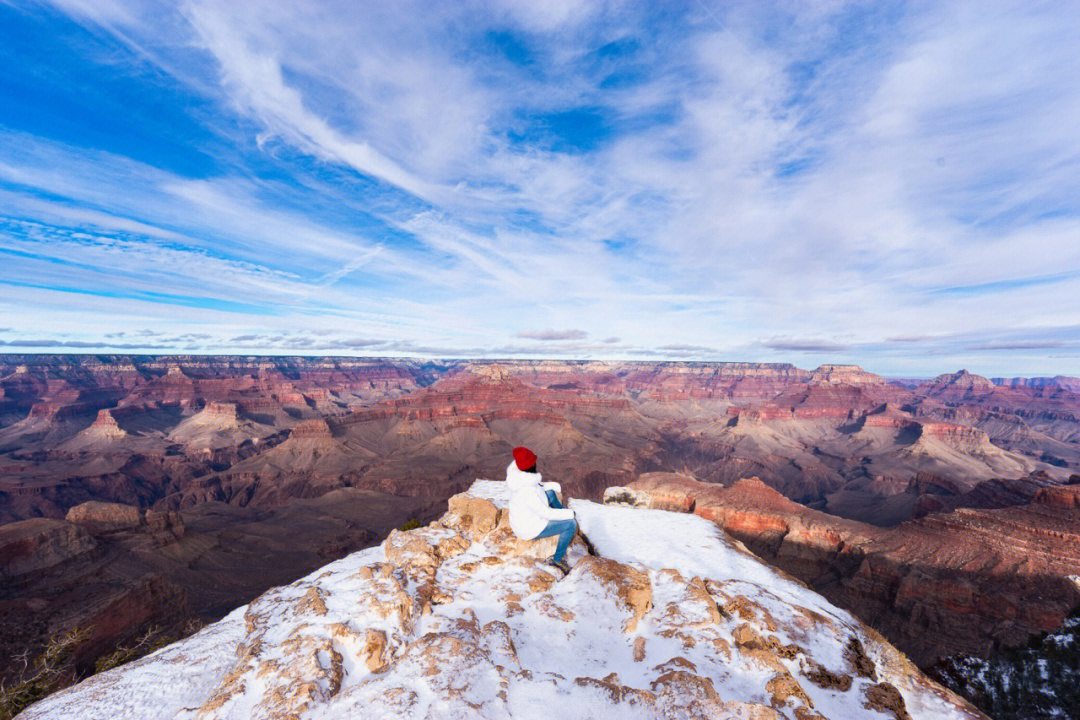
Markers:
<point>565,529</point>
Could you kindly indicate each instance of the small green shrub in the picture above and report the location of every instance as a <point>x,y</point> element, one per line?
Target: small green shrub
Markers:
<point>410,524</point>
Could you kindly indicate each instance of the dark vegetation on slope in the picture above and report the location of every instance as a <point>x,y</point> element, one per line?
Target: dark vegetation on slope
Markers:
<point>1038,681</point>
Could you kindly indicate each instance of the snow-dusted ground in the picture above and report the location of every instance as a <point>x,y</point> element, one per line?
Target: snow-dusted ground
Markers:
<point>476,626</point>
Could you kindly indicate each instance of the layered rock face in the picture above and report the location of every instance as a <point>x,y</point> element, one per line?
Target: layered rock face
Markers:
<point>959,582</point>
<point>81,576</point>
<point>180,431</point>
<point>108,518</point>
<point>34,546</point>
<point>466,424</point>
<point>660,616</point>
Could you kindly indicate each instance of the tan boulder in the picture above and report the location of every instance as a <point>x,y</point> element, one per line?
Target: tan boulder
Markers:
<point>667,491</point>
<point>785,690</point>
<point>750,711</point>
<point>373,647</point>
<point>472,514</point>
<point>692,695</point>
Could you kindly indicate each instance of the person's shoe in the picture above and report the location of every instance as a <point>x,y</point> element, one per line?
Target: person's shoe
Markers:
<point>561,564</point>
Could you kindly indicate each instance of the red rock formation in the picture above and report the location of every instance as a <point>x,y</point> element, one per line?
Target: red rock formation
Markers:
<point>106,420</point>
<point>222,409</point>
<point>1059,497</point>
<point>311,429</point>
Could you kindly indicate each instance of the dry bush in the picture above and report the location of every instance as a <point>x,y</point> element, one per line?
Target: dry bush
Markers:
<point>54,670</point>
<point>48,672</point>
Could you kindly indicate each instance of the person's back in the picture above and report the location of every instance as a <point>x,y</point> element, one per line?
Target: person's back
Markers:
<point>535,511</point>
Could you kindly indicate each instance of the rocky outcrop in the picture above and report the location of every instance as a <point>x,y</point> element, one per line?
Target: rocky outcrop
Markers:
<point>221,409</point>
<point>1059,497</point>
<point>164,526</point>
<point>34,546</point>
<point>968,575</point>
<point>107,423</point>
<point>311,430</point>
<point>844,375</point>
<point>663,618</point>
<point>101,517</point>
<point>957,387</point>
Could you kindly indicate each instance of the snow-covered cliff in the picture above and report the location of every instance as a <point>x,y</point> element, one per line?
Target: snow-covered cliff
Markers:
<point>661,616</point>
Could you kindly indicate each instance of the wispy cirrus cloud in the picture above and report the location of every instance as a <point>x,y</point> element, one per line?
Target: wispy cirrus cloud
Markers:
<point>553,334</point>
<point>889,184</point>
<point>684,349</point>
<point>815,346</point>
<point>1018,345</point>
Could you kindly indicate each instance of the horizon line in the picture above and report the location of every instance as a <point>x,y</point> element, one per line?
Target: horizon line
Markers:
<point>449,359</point>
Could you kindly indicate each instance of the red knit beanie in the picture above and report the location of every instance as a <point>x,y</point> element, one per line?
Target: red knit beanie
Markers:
<point>524,457</point>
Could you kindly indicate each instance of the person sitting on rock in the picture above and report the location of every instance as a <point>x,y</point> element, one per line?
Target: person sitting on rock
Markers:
<point>535,510</point>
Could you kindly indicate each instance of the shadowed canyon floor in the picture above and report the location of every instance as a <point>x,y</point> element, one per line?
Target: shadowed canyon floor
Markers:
<point>943,504</point>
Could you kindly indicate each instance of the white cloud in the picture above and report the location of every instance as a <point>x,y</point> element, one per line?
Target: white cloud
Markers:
<point>906,173</point>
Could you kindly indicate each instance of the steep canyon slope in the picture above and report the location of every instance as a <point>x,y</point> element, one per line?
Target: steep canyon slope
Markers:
<point>274,466</point>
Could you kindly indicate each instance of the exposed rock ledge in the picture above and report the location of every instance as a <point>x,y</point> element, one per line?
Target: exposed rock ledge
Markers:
<point>668,618</point>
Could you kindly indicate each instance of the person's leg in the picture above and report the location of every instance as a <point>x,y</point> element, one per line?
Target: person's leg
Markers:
<point>553,500</point>
<point>565,529</point>
<point>554,527</point>
<point>565,537</point>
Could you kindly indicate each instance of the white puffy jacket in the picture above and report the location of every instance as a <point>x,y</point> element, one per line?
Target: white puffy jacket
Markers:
<point>529,510</point>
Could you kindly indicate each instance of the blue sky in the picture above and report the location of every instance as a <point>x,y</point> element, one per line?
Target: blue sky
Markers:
<point>891,184</point>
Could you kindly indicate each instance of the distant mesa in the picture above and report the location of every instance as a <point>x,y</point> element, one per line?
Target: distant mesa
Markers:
<point>963,379</point>
<point>311,429</point>
<point>845,375</point>
<point>1058,381</point>
<point>224,410</point>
